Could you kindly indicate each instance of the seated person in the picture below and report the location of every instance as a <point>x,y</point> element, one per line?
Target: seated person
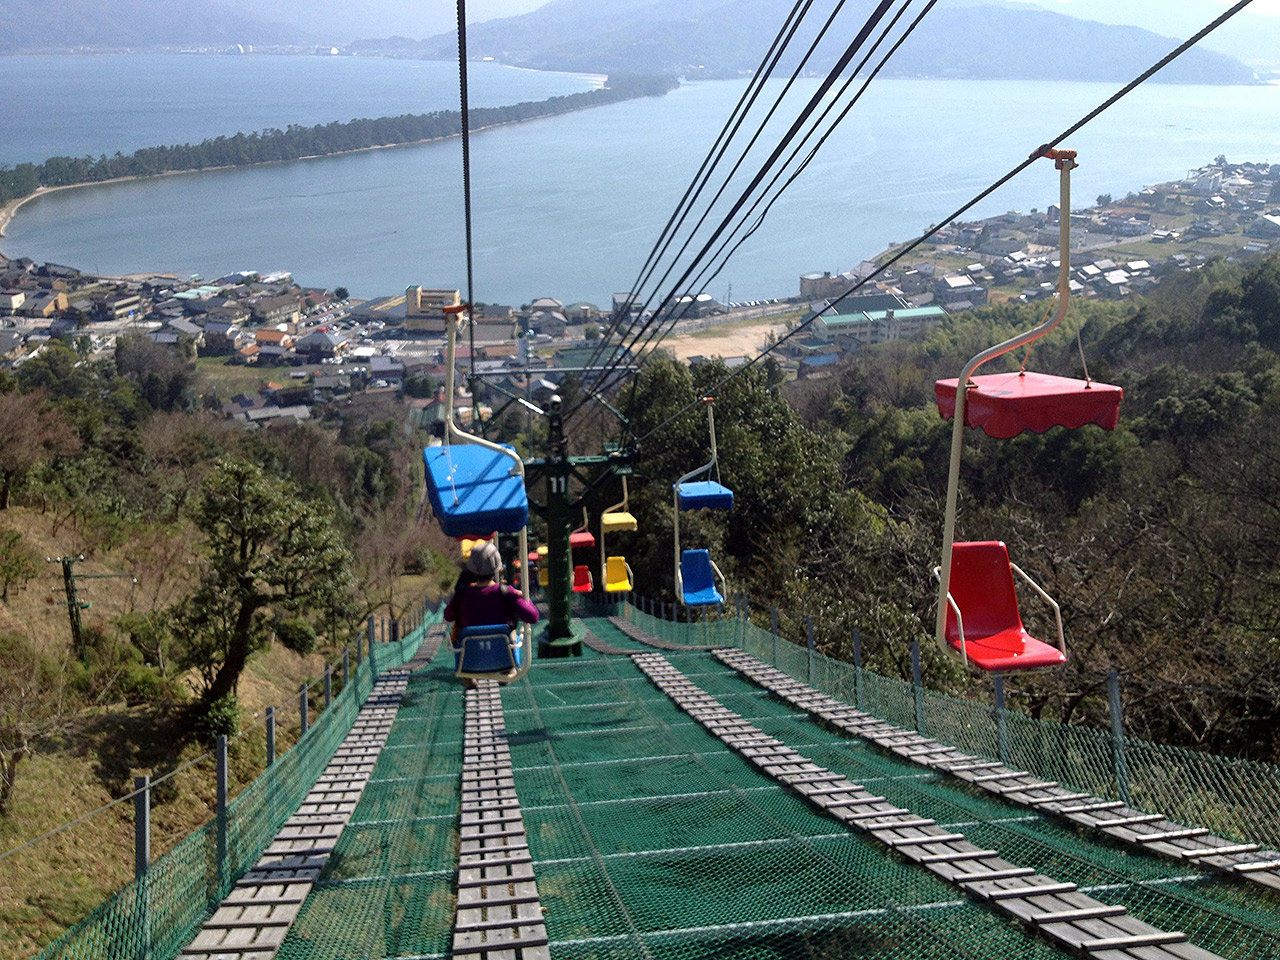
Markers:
<point>485,600</point>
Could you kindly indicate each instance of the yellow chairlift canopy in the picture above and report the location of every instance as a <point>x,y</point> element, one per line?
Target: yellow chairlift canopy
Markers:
<point>620,522</point>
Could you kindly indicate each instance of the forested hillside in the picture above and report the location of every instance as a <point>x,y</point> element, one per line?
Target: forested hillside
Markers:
<point>48,25</point>
<point>728,38</point>
<point>1159,539</point>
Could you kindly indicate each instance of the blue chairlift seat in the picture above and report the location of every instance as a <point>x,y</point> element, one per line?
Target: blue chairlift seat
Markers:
<point>704,495</point>
<point>698,582</point>
<point>488,648</point>
<point>472,488</point>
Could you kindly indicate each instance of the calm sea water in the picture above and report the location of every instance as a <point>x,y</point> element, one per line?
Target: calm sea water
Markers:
<point>568,207</point>
<point>89,105</point>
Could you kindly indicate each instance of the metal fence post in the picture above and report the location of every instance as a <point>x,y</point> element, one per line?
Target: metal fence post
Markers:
<point>1002,721</point>
<point>857,668</point>
<point>1117,736</point>
<point>917,686</point>
<point>221,813</point>
<point>346,666</point>
<point>743,620</point>
<point>142,859</point>
<point>302,707</point>
<point>774,614</point>
<point>809,632</point>
<point>328,686</point>
<point>271,735</point>
<point>371,632</point>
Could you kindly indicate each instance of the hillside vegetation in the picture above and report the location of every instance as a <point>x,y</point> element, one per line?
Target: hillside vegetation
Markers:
<point>725,38</point>
<point>248,560</point>
<point>1158,538</point>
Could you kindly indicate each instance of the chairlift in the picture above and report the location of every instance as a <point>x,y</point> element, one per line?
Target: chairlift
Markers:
<point>582,580</point>
<point>615,572</point>
<point>582,538</point>
<point>977,610</point>
<point>476,484</point>
<point>696,572</point>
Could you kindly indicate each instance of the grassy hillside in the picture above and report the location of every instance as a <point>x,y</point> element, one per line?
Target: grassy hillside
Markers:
<point>93,756</point>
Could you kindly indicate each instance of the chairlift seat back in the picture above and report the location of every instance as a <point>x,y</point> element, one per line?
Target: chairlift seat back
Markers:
<point>704,495</point>
<point>699,585</point>
<point>488,648</point>
<point>582,579</point>
<point>617,578</point>
<point>472,488</point>
<point>982,587</point>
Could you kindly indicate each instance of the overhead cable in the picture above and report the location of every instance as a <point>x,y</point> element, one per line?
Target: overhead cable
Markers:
<point>1035,155</point>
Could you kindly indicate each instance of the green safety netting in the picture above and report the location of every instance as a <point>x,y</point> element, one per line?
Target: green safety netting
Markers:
<point>160,914</point>
<point>1238,799</point>
<point>650,838</point>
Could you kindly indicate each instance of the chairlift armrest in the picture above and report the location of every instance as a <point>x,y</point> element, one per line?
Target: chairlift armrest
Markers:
<point>1053,604</point>
<point>955,608</point>
<point>716,570</point>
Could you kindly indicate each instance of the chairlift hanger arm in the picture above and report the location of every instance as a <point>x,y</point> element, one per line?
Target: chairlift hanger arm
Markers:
<point>1065,162</point>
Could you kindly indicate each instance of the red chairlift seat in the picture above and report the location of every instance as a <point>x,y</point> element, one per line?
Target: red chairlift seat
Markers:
<point>994,637</point>
<point>1006,404</point>
<point>582,579</point>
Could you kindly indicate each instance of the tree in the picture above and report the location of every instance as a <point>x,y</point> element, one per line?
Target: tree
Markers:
<point>1104,200</point>
<point>31,433</point>
<point>341,293</point>
<point>34,701</point>
<point>18,562</point>
<point>267,548</point>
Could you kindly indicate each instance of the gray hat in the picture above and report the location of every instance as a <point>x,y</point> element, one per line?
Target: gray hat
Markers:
<point>485,561</point>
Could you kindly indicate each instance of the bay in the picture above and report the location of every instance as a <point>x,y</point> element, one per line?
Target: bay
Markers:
<point>89,105</point>
<point>569,206</point>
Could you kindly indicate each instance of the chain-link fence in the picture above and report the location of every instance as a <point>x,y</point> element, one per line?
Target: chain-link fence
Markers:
<point>157,914</point>
<point>1238,799</point>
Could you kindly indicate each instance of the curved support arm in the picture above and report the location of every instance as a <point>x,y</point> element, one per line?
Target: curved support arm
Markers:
<point>712,464</point>
<point>1053,604</point>
<point>724,584</point>
<point>454,432</point>
<point>955,608</point>
<point>1065,162</point>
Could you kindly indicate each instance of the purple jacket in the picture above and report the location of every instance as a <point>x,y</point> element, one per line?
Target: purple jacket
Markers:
<point>473,606</point>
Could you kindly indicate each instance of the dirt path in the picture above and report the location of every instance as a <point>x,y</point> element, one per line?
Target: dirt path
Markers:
<point>738,342</point>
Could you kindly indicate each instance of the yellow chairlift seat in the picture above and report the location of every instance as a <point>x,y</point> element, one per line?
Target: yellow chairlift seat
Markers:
<point>542,550</point>
<point>544,577</point>
<point>617,576</point>
<point>468,545</point>
<point>620,522</point>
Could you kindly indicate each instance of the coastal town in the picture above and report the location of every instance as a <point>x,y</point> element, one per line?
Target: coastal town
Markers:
<point>272,351</point>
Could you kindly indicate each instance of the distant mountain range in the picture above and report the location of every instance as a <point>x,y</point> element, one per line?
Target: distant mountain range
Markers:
<point>43,25</point>
<point>729,37</point>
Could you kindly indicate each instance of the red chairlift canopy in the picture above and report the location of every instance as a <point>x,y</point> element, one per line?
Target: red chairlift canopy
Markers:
<point>581,539</point>
<point>1006,404</point>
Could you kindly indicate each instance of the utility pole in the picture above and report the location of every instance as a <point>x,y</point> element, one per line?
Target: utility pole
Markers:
<point>74,603</point>
<point>557,468</point>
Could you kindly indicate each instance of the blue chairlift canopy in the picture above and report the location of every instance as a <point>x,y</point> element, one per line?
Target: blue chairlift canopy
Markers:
<point>699,586</point>
<point>472,488</point>
<point>704,495</point>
